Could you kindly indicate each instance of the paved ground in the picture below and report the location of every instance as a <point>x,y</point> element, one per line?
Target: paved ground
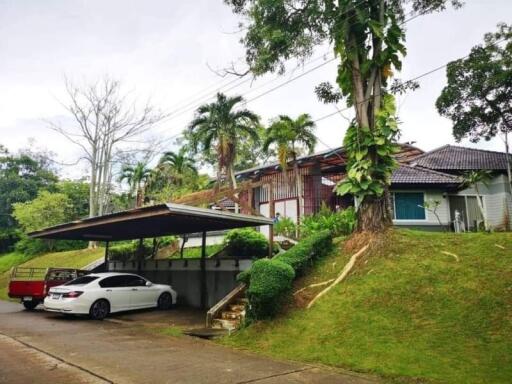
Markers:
<point>46,348</point>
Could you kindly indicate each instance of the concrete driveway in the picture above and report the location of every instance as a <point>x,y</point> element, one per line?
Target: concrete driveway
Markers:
<point>47,348</point>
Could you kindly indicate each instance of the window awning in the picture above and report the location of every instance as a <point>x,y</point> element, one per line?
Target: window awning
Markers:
<point>152,221</point>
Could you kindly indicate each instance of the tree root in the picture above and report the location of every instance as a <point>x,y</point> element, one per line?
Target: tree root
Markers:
<point>314,285</point>
<point>451,254</point>
<point>346,270</point>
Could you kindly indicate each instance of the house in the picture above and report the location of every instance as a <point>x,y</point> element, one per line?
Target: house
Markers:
<point>421,179</point>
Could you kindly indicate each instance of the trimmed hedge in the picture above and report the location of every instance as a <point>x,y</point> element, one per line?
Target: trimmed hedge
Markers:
<point>302,255</point>
<point>246,242</point>
<point>270,280</point>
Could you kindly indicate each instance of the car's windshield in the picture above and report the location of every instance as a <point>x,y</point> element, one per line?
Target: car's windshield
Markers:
<point>82,280</point>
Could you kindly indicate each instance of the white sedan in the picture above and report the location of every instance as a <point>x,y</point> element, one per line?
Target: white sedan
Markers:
<point>99,294</point>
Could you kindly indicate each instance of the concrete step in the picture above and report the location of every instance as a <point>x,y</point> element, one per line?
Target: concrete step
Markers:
<point>230,315</point>
<point>225,324</point>
<point>236,307</point>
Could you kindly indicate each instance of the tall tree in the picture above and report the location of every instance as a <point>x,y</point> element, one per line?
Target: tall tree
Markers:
<point>105,117</point>
<point>291,137</point>
<point>178,164</point>
<point>222,126</point>
<point>478,96</point>
<point>136,177</point>
<point>368,38</point>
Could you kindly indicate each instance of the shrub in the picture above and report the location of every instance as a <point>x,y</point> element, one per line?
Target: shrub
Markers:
<point>285,227</point>
<point>246,242</point>
<point>127,251</point>
<point>271,280</point>
<point>306,251</point>
<point>338,223</point>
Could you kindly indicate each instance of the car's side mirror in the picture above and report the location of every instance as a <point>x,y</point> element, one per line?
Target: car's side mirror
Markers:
<point>149,283</point>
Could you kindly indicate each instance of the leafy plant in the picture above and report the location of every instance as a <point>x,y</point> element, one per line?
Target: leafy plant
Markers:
<point>338,223</point>
<point>270,280</point>
<point>285,227</point>
<point>246,242</point>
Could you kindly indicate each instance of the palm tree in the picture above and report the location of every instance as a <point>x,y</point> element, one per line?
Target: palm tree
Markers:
<point>291,136</point>
<point>136,177</point>
<point>472,179</point>
<point>221,126</point>
<point>178,164</point>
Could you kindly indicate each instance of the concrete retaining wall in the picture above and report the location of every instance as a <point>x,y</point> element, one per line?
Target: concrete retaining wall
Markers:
<point>185,276</point>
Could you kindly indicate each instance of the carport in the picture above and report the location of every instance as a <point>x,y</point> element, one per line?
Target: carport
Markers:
<point>163,220</point>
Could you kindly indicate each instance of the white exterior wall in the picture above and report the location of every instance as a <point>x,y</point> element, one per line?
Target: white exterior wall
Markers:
<point>443,211</point>
<point>496,200</point>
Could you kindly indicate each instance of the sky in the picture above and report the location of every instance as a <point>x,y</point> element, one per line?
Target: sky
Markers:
<point>167,50</point>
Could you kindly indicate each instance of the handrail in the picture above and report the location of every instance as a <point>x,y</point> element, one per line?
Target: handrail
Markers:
<point>210,315</point>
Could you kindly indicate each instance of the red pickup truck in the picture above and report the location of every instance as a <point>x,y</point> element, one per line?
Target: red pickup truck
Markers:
<point>31,285</point>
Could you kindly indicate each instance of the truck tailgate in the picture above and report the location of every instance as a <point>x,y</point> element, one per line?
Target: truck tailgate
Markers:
<point>21,288</point>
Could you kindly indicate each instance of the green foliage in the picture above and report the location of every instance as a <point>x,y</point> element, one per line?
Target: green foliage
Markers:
<point>220,127</point>
<point>338,223</point>
<point>478,96</point>
<point>290,137</point>
<point>78,194</point>
<point>366,177</point>
<point>21,178</point>
<point>285,227</point>
<point>302,255</point>
<point>246,242</point>
<point>8,237</point>
<point>270,281</point>
<point>127,251</point>
<point>46,210</point>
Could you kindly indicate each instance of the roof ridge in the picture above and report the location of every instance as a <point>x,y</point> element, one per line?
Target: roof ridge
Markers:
<point>415,167</point>
<point>429,152</point>
<point>477,149</point>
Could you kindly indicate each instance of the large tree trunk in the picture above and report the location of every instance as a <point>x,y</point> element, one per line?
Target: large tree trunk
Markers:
<point>373,214</point>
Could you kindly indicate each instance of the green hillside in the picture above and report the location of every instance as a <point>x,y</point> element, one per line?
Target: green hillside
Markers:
<point>407,311</point>
<point>71,259</point>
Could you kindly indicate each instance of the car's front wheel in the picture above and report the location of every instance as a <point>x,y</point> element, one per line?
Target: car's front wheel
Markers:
<point>165,301</point>
<point>99,310</point>
<point>30,305</point>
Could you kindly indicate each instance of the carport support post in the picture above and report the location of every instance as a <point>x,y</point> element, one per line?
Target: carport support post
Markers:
<point>140,255</point>
<point>203,272</point>
<point>106,255</point>
<point>272,209</point>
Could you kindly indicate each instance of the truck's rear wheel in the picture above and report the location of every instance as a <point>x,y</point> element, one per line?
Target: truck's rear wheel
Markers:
<point>30,305</point>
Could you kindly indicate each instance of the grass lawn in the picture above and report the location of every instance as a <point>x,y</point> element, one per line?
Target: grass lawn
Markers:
<point>69,259</point>
<point>407,311</point>
<point>9,260</point>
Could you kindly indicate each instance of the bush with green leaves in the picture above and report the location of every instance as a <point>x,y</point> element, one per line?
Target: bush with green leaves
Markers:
<point>285,227</point>
<point>128,251</point>
<point>246,242</point>
<point>270,281</point>
<point>265,293</point>
<point>338,223</point>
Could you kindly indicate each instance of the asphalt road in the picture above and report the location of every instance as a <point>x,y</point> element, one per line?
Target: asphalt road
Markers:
<point>42,348</point>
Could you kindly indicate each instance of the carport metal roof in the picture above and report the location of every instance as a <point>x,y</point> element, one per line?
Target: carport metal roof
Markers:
<point>151,221</point>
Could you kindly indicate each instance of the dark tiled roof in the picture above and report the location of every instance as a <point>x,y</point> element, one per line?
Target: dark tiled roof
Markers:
<point>450,157</point>
<point>407,174</point>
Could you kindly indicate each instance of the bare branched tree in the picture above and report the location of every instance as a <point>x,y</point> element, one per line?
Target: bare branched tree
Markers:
<point>105,118</point>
